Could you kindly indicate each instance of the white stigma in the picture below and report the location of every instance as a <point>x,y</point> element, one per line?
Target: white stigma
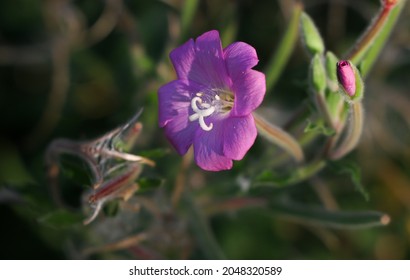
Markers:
<point>201,114</point>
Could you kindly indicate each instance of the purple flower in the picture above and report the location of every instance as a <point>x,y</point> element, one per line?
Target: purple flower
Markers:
<point>209,106</point>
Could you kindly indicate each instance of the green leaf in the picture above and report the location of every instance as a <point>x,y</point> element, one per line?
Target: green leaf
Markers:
<point>353,170</point>
<point>61,219</point>
<point>310,35</point>
<point>270,178</point>
<point>12,169</point>
<point>147,184</point>
<point>111,208</point>
<point>154,153</point>
<point>319,127</point>
<point>74,169</point>
<point>333,219</point>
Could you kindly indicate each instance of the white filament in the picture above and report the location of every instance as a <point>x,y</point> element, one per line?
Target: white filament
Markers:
<point>201,114</point>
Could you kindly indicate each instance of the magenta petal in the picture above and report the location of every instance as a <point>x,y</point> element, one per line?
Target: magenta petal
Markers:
<point>180,133</point>
<point>208,148</point>
<point>249,88</point>
<point>208,160</point>
<point>208,67</point>
<point>174,100</point>
<point>182,58</point>
<point>202,61</point>
<point>239,136</point>
<point>239,57</point>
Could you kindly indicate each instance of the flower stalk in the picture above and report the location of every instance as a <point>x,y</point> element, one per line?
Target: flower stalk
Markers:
<point>366,40</point>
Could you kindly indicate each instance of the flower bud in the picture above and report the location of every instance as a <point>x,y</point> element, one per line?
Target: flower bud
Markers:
<point>331,62</point>
<point>350,81</point>
<point>318,74</point>
<point>310,35</point>
<point>346,77</point>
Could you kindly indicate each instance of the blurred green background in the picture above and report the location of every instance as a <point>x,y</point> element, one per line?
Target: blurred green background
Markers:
<point>77,69</point>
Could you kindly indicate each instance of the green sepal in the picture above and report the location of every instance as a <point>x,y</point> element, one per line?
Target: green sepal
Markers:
<point>317,74</point>
<point>310,35</point>
<point>331,61</point>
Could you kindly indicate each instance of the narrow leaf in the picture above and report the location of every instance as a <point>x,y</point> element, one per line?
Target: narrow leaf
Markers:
<point>333,219</point>
<point>353,170</point>
<point>270,178</point>
<point>12,169</point>
<point>319,127</point>
<point>60,219</point>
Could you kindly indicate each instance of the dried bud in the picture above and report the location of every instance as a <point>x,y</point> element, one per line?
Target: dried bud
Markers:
<point>346,77</point>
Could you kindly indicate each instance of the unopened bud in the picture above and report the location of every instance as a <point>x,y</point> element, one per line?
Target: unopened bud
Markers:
<point>331,62</point>
<point>318,74</point>
<point>346,77</point>
<point>350,80</point>
<point>310,35</point>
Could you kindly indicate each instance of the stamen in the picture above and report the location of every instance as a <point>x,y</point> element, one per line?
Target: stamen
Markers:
<point>200,114</point>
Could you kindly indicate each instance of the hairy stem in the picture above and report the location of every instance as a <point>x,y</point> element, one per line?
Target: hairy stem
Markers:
<point>353,136</point>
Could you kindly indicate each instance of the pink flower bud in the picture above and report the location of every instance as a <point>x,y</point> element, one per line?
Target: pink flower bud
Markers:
<point>346,77</point>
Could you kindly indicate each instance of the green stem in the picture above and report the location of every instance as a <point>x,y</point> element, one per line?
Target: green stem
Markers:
<point>366,41</point>
<point>285,48</point>
<point>202,230</point>
<point>381,39</point>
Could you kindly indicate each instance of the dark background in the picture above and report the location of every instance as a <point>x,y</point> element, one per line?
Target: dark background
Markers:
<point>63,76</point>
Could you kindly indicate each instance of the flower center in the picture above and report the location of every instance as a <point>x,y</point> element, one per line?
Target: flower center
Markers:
<point>219,101</point>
